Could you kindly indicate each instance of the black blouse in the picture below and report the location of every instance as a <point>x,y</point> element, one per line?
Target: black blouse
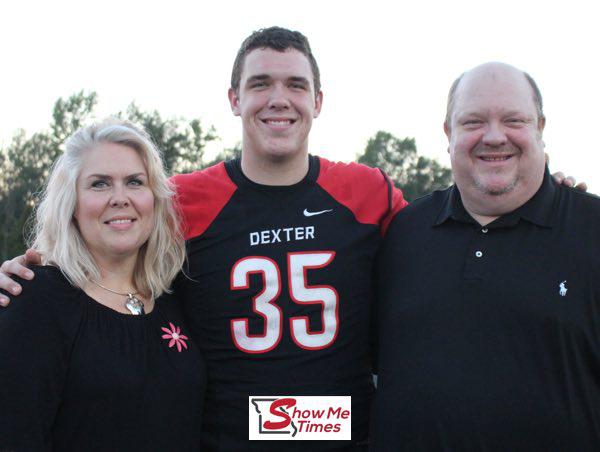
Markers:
<point>77,375</point>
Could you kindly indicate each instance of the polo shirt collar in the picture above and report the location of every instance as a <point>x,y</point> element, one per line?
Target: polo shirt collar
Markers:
<point>539,210</point>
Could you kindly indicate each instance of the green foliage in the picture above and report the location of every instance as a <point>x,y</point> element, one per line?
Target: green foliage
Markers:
<point>69,115</point>
<point>227,154</point>
<point>415,175</point>
<point>182,142</point>
<point>26,162</point>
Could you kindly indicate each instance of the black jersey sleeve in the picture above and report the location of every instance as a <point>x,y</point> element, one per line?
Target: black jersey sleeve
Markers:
<point>34,355</point>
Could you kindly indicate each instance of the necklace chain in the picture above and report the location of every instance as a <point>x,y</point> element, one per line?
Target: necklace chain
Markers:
<point>132,303</point>
<point>126,294</point>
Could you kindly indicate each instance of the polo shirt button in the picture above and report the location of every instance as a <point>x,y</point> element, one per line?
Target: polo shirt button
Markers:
<point>478,253</point>
<point>484,230</point>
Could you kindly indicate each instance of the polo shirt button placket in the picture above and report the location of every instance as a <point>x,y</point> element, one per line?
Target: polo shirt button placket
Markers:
<point>479,253</point>
<point>475,266</point>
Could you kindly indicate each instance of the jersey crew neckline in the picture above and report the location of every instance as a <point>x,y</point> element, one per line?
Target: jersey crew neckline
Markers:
<point>234,170</point>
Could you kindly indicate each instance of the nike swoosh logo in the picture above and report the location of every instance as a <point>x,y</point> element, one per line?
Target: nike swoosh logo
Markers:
<point>312,214</point>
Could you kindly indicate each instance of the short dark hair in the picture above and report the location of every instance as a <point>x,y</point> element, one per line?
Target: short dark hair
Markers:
<point>537,96</point>
<point>276,38</point>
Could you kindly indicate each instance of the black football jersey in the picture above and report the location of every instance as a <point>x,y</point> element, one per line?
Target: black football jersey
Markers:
<point>278,289</point>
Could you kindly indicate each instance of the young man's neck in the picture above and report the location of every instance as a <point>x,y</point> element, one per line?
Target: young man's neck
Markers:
<point>275,171</point>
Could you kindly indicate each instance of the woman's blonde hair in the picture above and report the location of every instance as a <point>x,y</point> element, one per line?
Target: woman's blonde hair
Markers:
<point>57,236</point>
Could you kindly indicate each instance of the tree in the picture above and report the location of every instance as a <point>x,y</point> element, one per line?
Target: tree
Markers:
<point>26,162</point>
<point>415,175</point>
<point>181,142</point>
<point>227,154</point>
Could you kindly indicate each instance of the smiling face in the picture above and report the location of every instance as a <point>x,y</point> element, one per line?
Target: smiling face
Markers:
<point>277,103</point>
<point>115,205</point>
<point>495,137</point>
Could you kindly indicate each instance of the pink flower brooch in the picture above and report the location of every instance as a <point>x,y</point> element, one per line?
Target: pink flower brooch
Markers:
<point>175,336</point>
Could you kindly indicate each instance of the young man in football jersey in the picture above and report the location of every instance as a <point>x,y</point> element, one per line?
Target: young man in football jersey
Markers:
<point>281,247</point>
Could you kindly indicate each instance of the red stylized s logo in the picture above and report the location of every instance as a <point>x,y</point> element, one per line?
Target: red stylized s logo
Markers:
<point>276,410</point>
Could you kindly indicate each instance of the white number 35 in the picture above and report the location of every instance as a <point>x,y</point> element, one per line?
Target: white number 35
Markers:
<point>264,305</point>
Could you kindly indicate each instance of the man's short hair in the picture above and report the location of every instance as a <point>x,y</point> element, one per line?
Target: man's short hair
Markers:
<point>537,97</point>
<point>276,38</point>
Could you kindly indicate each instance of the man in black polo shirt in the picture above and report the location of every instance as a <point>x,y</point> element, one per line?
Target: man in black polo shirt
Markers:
<point>490,291</point>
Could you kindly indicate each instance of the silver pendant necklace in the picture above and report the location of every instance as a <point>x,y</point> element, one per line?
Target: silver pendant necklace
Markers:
<point>132,303</point>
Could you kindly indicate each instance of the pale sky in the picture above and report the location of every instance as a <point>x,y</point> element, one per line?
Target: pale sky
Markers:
<point>384,65</point>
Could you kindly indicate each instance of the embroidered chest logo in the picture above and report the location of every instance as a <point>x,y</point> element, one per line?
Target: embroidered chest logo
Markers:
<point>307,213</point>
<point>562,289</point>
<point>175,337</point>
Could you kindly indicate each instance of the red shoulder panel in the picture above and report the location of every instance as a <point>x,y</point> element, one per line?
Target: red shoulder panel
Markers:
<point>201,195</point>
<point>366,191</point>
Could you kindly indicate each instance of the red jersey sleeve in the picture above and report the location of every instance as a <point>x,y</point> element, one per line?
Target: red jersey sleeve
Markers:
<point>201,195</point>
<point>367,192</point>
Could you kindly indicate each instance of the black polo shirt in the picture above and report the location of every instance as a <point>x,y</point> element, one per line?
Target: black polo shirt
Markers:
<point>490,336</point>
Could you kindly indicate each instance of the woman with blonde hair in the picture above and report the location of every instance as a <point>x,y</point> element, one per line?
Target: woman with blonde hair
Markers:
<point>95,355</point>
